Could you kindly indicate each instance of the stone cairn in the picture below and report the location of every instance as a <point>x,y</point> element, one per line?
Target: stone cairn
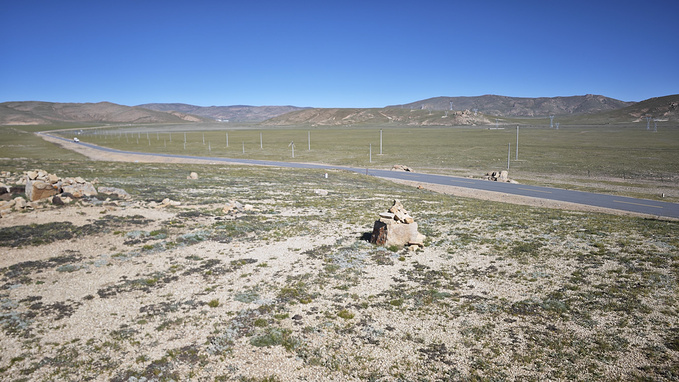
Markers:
<point>397,228</point>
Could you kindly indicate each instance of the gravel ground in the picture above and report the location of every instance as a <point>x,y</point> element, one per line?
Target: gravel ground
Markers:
<point>288,290</point>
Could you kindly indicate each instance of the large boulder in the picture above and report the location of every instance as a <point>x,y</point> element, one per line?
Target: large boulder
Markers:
<point>401,167</point>
<point>38,189</point>
<point>119,192</point>
<point>78,190</point>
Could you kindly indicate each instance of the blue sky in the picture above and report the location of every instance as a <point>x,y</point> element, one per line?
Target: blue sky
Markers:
<point>334,54</point>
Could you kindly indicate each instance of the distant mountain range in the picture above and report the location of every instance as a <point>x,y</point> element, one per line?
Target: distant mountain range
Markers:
<point>502,106</point>
<point>430,112</point>
<point>237,113</point>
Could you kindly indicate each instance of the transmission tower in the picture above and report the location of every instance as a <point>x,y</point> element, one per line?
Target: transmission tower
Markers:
<point>551,121</point>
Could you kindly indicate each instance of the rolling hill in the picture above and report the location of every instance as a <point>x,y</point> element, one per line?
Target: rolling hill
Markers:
<point>236,113</point>
<point>49,113</point>
<point>349,116</point>
<point>589,109</point>
<point>503,106</point>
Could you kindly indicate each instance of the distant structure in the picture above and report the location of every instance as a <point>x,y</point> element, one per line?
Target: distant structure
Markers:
<point>648,123</point>
<point>551,121</point>
<point>451,105</point>
<point>475,111</point>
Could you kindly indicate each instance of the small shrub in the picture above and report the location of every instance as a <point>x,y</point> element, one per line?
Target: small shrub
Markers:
<point>213,303</point>
<point>345,314</point>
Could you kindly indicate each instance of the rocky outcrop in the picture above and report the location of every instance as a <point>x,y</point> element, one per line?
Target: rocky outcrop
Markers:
<point>42,185</point>
<point>499,176</point>
<point>400,167</point>
<point>117,192</point>
<point>396,228</point>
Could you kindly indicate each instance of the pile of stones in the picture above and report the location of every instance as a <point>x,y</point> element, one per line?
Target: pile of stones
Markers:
<point>42,189</point>
<point>401,167</point>
<point>499,176</point>
<point>397,228</point>
<point>42,185</point>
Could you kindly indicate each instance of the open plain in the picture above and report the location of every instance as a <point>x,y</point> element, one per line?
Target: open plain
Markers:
<point>105,288</point>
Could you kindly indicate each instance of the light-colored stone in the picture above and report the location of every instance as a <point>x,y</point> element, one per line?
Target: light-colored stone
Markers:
<point>321,192</point>
<point>119,192</point>
<point>19,203</point>
<point>79,190</point>
<point>396,228</point>
<point>37,189</point>
<point>400,167</point>
<point>192,175</point>
<point>387,215</point>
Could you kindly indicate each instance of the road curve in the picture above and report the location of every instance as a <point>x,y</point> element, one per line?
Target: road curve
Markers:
<point>621,203</point>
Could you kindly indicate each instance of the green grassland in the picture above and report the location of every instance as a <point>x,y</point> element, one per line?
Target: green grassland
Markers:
<point>583,157</point>
<point>621,151</point>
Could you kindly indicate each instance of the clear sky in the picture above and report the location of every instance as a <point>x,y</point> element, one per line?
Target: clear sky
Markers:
<point>334,53</point>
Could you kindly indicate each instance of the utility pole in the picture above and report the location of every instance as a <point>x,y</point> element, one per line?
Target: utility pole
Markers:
<point>371,152</point>
<point>517,142</point>
<point>261,144</point>
<point>380,141</point>
<point>308,139</point>
<point>292,145</point>
<point>509,153</point>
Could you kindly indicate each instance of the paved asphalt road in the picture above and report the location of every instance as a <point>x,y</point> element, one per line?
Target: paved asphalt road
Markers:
<point>644,206</point>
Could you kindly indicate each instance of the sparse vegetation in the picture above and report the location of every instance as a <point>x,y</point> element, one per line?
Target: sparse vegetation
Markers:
<point>500,292</point>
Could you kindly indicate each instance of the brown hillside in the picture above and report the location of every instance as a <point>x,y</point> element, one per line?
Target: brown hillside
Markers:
<point>45,113</point>
<point>521,107</point>
<point>346,117</point>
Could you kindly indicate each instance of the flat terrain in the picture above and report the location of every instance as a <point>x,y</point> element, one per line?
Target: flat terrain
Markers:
<point>287,289</point>
<point>622,160</point>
